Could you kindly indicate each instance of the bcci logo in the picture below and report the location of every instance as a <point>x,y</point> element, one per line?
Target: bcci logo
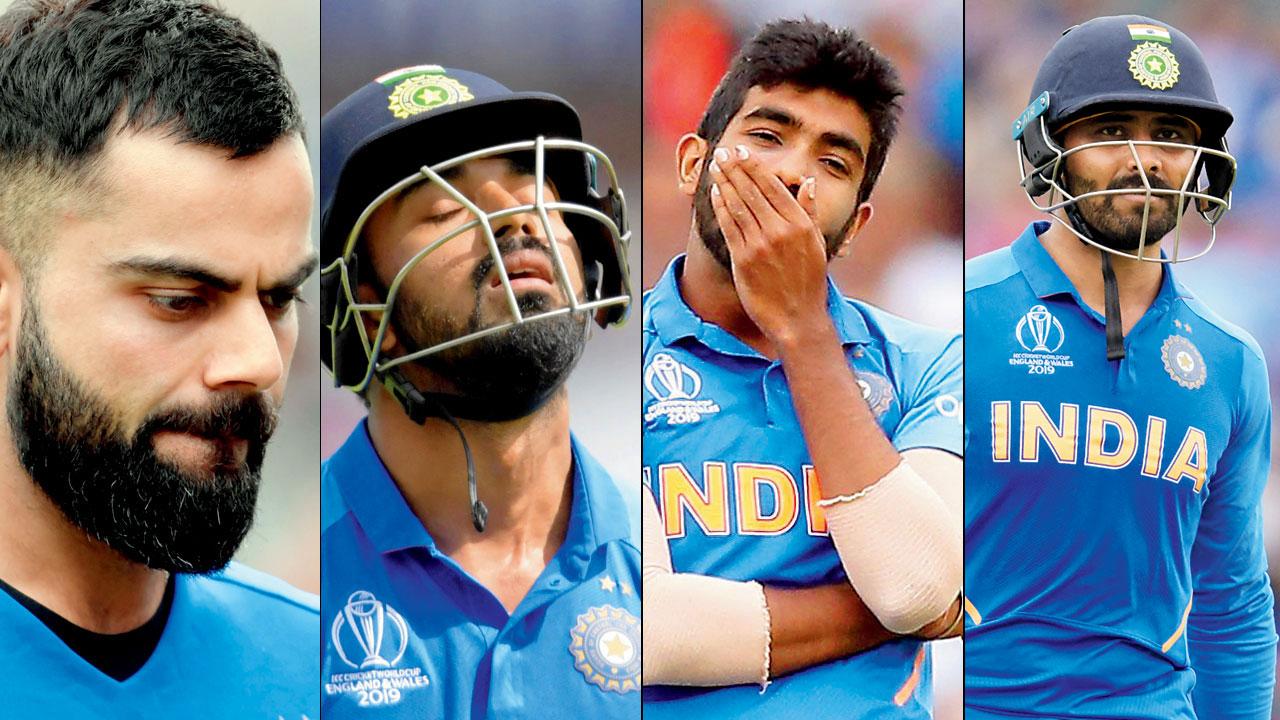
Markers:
<point>877,391</point>
<point>1041,336</point>
<point>1041,328</point>
<point>421,93</point>
<point>675,387</point>
<point>1183,362</point>
<point>374,627</point>
<point>605,644</point>
<point>1153,65</point>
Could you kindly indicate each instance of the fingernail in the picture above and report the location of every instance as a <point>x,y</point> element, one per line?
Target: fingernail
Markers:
<point>715,167</point>
<point>813,188</point>
<point>742,152</point>
<point>715,189</point>
<point>721,154</point>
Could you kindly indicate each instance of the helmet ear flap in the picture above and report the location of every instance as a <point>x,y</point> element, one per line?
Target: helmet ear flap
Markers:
<point>1038,149</point>
<point>1221,175</point>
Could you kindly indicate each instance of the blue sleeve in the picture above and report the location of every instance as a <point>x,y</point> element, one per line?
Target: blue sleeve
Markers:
<point>1231,630</point>
<point>934,416</point>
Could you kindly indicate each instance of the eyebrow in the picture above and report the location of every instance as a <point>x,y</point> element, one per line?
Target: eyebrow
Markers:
<point>450,174</point>
<point>839,140</point>
<point>184,270</point>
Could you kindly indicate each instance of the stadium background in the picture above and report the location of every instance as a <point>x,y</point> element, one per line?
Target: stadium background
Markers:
<point>283,539</point>
<point>908,260</point>
<point>1005,43</point>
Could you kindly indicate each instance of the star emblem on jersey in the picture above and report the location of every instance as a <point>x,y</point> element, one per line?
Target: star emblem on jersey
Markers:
<point>1154,66</point>
<point>420,93</point>
<point>675,387</point>
<point>371,638</point>
<point>1041,336</point>
<point>1183,362</point>
<point>877,391</point>
<point>605,645</point>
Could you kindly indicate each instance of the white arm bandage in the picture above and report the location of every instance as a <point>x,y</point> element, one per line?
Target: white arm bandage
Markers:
<point>901,548</point>
<point>698,630</point>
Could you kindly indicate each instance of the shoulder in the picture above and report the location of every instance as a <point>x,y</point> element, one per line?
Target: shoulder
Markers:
<point>906,338</point>
<point>1228,333</point>
<point>990,269</point>
<point>241,591</point>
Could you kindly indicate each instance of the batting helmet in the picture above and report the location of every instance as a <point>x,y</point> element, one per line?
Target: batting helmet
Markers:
<point>1135,63</point>
<point>413,124</point>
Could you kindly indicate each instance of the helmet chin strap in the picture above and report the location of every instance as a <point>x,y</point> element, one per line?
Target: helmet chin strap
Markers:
<point>420,406</point>
<point>1110,288</point>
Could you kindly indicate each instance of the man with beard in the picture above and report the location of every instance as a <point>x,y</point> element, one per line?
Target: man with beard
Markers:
<point>802,448</point>
<point>154,213</point>
<point>477,562</point>
<point>1120,437</point>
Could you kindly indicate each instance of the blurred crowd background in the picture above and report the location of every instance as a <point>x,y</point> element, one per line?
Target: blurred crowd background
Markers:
<point>585,51</point>
<point>909,258</point>
<point>1005,43</point>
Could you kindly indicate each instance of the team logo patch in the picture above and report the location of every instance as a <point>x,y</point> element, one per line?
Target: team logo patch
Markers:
<point>877,391</point>
<point>675,388</point>
<point>605,644</point>
<point>422,92</point>
<point>371,638</point>
<point>1041,336</point>
<point>1183,362</point>
<point>1153,65</point>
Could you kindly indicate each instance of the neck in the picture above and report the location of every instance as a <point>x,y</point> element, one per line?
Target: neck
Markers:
<point>1138,281</point>
<point>50,560</point>
<point>708,289</point>
<point>523,474</point>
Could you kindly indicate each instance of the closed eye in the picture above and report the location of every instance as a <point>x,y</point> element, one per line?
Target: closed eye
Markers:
<point>766,136</point>
<point>176,305</point>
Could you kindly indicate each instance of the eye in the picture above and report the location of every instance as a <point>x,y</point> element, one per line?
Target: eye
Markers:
<point>767,137</point>
<point>1176,135</point>
<point>443,216</point>
<point>282,300</point>
<point>177,306</point>
<point>836,165</point>
<point>1111,131</point>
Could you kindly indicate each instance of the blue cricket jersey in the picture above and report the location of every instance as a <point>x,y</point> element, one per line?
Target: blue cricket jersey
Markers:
<point>238,644</point>
<point>728,465</point>
<point>409,634</point>
<point>1113,540</point>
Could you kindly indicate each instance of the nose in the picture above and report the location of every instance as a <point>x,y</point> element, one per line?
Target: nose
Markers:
<point>1148,158</point>
<point>792,168</point>
<point>492,197</point>
<point>246,352</point>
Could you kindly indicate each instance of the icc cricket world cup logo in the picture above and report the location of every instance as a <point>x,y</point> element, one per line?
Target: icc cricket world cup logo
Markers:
<point>367,620</point>
<point>677,381</point>
<point>1043,330</point>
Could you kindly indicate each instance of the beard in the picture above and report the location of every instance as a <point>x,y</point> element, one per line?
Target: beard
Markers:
<point>1123,231</point>
<point>506,375</point>
<point>708,228</point>
<point>115,487</point>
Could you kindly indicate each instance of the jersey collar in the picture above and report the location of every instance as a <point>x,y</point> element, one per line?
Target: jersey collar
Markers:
<point>597,516</point>
<point>673,320</point>
<point>1047,279</point>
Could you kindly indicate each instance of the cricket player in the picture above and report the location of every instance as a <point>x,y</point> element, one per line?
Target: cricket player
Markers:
<point>477,561</point>
<point>155,204</point>
<point>1118,430</point>
<point>800,446</point>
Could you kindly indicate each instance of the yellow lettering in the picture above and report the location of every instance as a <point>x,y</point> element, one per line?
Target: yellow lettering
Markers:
<point>812,494</point>
<point>708,508</point>
<point>1155,447</point>
<point>1191,460</point>
<point>1096,454</point>
<point>1061,437</point>
<point>1000,431</point>
<point>749,480</point>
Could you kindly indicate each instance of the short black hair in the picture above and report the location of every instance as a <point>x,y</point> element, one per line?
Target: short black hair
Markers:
<point>72,72</point>
<point>813,56</point>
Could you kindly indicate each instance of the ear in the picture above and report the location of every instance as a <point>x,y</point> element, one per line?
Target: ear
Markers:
<point>690,152</point>
<point>862,216</point>
<point>11,302</point>
<point>365,294</point>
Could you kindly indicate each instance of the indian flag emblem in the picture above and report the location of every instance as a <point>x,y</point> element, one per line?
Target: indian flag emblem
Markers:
<point>1149,32</point>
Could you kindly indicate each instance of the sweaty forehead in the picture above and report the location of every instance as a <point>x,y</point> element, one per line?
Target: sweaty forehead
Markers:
<point>479,170</point>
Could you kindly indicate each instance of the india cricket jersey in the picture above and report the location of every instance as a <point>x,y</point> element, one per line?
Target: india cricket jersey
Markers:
<point>409,634</point>
<point>728,465</point>
<point>1113,539</point>
<point>238,644</point>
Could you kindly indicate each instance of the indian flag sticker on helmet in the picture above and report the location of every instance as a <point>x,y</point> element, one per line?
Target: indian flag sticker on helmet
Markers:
<point>422,88</point>
<point>1153,65</point>
<point>1150,32</point>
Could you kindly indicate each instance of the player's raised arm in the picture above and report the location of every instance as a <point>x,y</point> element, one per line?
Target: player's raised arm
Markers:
<point>1230,629</point>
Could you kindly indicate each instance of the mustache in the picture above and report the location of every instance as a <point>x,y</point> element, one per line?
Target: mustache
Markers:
<point>1134,182</point>
<point>506,246</point>
<point>247,417</point>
